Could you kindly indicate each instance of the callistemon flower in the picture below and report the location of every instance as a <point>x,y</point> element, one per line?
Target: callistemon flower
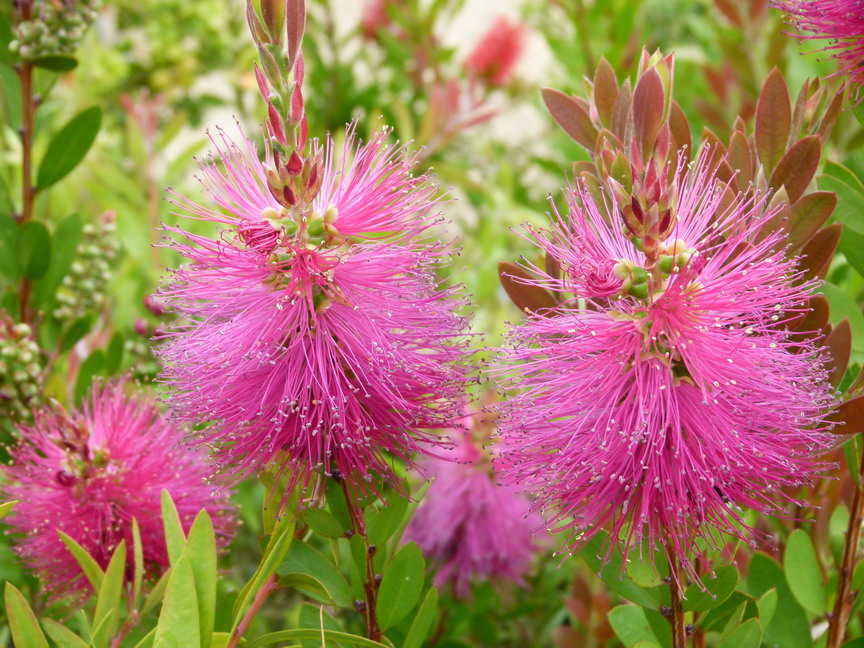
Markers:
<point>473,527</point>
<point>90,472</point>
<point>841,21</point>
<point>496,54</point>
<point>659,410</point>
<point>315,336</point>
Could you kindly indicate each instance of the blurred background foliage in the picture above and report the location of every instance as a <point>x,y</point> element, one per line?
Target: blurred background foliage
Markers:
<point>164,71</point>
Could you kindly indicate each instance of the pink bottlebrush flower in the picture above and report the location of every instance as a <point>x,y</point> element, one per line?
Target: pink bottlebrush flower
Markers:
<point>90,472</point>
<point>496,54</point>
<point>317,336</point>
<point>473,527</point>
<point>841,21</point>
<point>375,17</point>
<point>657,411</point>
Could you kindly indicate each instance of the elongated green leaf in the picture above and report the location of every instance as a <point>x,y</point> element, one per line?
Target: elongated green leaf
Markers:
<point>309,585</point>
<point>747,635</point>
<point>424,621</point>
<point>389,519</point>
<point>767,604</point>
<point>803,573</point>
<point>88,565</point>
<point>138,560</point>
<point>174,536</point>
<point>64,247</point>
<point>328,635</point>
<point>155,596</point>
<point>178,625</point>
<point>6,37</point>
<point>611,573</point>
<point>631,625</point>
<point>68,147</point>
<point>201,552</point>
<point>719,589</point>
<point>401,585</point>
<point>790,626</point>
<point>61,635</point>
<point>850,202</point>
<point>6,508</point>
<point>8,255</point>
<point>25,629</point>
<point>108,604</point>
<point>303,559</point>
<point>315,617</point>
<point>33,249</point>
<point>147,640</point>
<point>92,366</point>
<point>56,63</point>
<point>323,523</point>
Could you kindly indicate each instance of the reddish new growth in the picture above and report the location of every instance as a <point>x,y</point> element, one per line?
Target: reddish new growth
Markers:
<point>90,472</point>
<point>667,393</point>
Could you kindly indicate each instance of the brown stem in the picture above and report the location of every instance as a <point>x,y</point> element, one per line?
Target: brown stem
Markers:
<point>845,595</point>
<point>676,615</point>
<point>270,586</point>
<point>28,119</point>
<point>370,585</point>
<point>698,633</point>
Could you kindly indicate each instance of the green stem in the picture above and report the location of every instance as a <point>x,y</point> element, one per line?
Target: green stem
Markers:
<point>370,585</point>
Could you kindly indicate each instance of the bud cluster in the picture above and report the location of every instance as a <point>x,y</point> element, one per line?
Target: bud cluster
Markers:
<point>83,288</point>
<point>20,369</point>
<point>56,28</point>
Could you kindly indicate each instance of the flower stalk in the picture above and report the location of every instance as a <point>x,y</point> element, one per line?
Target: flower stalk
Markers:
<point>370,583</point>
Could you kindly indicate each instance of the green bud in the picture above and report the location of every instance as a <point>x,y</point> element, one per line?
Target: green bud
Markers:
<point>639,290</point>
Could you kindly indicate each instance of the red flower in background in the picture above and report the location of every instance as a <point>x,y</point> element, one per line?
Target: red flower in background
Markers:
<point>495,57</point>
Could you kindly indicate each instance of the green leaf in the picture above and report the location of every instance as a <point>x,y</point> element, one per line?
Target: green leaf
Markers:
<point>156,594</point>
<point>855,643</point>
<point>6,37</point>
<point>850,202</point>
<point>64,248</point>
<point>852,246</point>
<point>747,635</point>
<point>837,528</point>
<point>12,95</point>
<point>309,585</point>
<point>114,354</point>
<point>8,253</point>
<point>25,629</point>
<point>33,249</point>
<point>803,572</point>
<point>401,585</point>
<point>323,523</point>
<point>631,625</point>
<point>790,626</point>
<point>858,111</point>
<point>326,635</point>
<point>719,589</point>
<point>147,640</point>
<point>337,504</point>
<point>201,552</point>
<point>6,508</point>
<point>303,559</point>
<point>278,545</point>
<point>92,366</point>
<point>767,605</point>
<point>88,564</point>
<point>643,573</point>
<point>314,616</point>
<point>178,625</point>
<point>424,621</point>
<point>56,63</point>
<point>108,605</point>
<point>843,306</point>
<point>612,575</point>
<point>75,332</point>
<point>390,517</point>
<point>62,636</point>
<point>174,536</point>
<point>137,559</point>
<point>68,147</point>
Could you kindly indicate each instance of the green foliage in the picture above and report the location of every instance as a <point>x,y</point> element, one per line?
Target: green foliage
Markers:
<point>401,585</point>
<point>68,147</point>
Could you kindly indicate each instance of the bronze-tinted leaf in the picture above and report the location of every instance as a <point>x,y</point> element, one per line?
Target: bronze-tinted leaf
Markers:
<point>739,159</point>
<point>809,213</point>
<point>571,116</point>
<point>648,104</point>
<point>773,121</point>
<point>730,9</point>
<point>830,116</point>
<point>798,111</point>
<point>849,417</point>
<point>838,343</point>
<point>623,114</point>
<point>797,167</point>
<point>780,220</point>
<point>605,92</point>
<point>819,250</point>
<point>816,318</point>
<point>530,299</point>
<point>553,268</point>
